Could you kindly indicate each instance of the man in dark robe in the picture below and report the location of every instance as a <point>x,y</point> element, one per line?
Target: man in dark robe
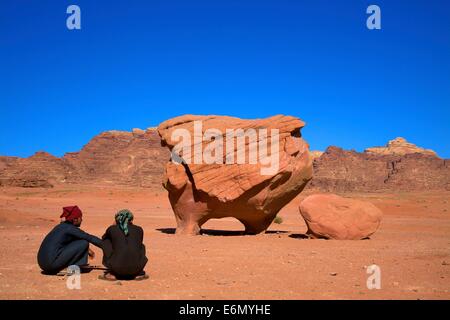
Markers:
<point>66,244</point>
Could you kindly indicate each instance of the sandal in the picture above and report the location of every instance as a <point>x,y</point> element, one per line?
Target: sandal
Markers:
<point>141,276</point>
<point>108,276</point>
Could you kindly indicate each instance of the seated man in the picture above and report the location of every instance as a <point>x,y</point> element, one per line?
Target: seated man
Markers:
<point>123,249</point>
<point>66,244</point>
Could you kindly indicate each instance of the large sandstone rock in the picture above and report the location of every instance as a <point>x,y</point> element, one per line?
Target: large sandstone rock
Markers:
<point>399,146</point>
<point>199,192</point>
<point>333,217</point>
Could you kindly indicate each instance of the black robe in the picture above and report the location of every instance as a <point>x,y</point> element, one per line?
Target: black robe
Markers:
<point>64,246</point>
<point>124,255</point>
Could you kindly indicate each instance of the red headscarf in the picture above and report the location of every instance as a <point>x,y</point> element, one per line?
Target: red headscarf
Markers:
<point>71,213</point>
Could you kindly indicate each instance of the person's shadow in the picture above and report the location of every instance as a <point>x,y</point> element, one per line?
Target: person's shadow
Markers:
<point>83,270</point>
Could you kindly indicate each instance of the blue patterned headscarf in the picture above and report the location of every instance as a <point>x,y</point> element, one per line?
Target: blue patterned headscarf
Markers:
<point>123,217</point>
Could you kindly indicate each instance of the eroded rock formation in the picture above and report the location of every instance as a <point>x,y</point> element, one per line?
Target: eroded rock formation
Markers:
<point>199,191</point>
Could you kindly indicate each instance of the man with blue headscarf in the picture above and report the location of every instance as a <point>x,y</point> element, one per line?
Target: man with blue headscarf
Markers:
<point>123,249</point>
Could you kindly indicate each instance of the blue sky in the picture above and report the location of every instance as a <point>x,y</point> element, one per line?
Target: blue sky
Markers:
<point>137,63</point>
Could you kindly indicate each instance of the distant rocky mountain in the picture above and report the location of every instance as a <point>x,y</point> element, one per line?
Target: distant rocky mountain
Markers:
<point>137,159</point>
<point>339,170</point>
<point>399,146</point>
<point>115,157</point>
<point>315,154</point>
<point>40,170</point>
<point>130,158</point>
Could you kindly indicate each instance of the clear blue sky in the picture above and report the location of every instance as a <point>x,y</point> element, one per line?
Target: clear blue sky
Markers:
<point>137,63</point>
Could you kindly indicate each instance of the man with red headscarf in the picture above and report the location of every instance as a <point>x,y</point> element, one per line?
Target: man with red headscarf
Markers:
<point>66,244</point>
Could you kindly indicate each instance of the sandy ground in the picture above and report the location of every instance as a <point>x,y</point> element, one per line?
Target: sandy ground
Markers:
<point>412,249</point>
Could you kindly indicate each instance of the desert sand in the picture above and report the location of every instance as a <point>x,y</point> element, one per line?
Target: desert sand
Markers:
<point>411,247</point>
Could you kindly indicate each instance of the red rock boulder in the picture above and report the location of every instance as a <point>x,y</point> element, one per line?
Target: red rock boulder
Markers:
<point>333,217</point>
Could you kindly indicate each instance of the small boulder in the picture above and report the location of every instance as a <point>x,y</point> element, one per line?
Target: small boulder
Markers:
<point>333,217</point>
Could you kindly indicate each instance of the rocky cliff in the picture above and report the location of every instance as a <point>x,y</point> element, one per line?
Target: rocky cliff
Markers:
<point>137,159</point>
<point>339,170</point>
<point>115,157</point>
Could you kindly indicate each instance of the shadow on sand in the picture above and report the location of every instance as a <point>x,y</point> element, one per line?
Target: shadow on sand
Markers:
<point>305,236</point>
<point>83,269</point>
<point>299,236</point>
<point>211,232</point>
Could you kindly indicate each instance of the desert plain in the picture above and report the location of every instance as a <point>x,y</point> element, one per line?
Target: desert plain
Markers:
<point>411,247</point>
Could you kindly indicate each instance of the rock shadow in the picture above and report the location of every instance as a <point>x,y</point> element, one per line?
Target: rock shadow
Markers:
<point>214,232</point>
